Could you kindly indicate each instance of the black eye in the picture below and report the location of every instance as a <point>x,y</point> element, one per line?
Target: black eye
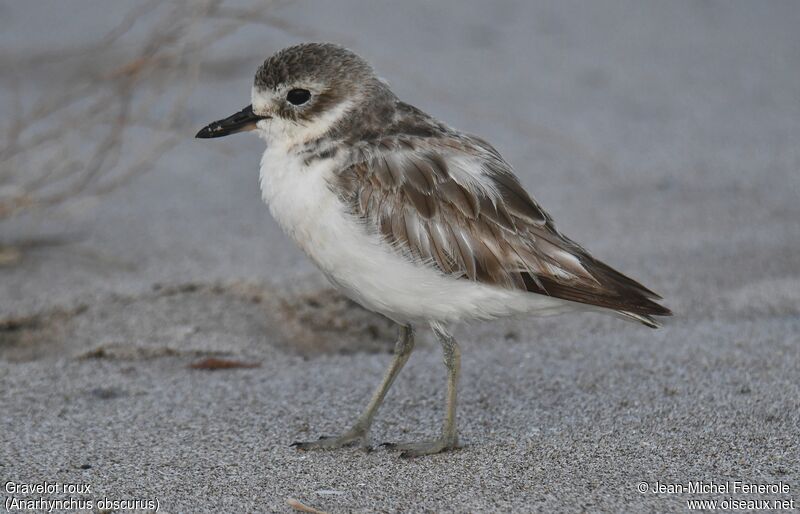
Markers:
<point>298,96</point>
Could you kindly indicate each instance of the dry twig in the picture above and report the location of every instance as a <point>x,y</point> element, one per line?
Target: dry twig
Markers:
<point>74,140</point>
<point>302,507</point>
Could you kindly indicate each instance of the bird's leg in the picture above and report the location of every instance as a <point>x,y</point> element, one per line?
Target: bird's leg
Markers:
<point>358,433</point>
<point>449,438</point>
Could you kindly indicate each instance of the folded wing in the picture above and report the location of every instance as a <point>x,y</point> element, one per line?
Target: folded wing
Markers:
<point>454,204</point>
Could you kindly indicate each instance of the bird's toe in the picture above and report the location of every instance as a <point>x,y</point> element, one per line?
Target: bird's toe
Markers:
<point>418,449</point>
<point>333,442</point>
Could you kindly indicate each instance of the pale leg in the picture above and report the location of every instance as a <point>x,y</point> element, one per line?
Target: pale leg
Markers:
<point>359,432</point>
<point>449,438</point>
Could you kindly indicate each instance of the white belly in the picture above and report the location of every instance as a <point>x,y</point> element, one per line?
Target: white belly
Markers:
<point>364,267</point>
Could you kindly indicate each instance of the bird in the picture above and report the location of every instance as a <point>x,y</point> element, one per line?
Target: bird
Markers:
<point>411,218</point>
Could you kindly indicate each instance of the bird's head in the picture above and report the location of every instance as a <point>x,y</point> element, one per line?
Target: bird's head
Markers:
<point>301,92</point>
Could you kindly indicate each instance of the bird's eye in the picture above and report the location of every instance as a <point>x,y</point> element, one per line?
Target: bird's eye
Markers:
<point>298,96</point>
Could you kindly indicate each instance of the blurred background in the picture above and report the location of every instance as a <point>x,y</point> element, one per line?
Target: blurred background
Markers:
<point>661,135</point>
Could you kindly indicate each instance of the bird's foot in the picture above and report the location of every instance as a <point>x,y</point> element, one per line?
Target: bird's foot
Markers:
<point>353,437</point>
<point>438,445</point>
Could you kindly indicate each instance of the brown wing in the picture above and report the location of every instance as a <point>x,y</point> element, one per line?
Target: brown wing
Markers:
<point>454,204</point>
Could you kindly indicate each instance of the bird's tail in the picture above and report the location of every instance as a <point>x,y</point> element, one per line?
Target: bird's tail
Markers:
<point>644,319</point>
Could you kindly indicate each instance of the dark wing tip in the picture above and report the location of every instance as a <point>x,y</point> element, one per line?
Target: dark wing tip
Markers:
<point>664,311</point>
<point>616,295</point>
<point>651,308</point>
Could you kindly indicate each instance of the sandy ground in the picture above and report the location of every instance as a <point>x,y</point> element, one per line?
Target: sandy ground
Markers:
<point>663,136</point>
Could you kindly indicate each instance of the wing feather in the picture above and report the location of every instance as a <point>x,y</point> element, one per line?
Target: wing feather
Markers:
<point>476,221</point>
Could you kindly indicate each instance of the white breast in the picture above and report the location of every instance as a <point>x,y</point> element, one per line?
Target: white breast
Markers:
<point>363,266</point>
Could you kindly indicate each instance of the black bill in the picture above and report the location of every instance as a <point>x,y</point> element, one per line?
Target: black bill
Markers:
<point>241,121</point>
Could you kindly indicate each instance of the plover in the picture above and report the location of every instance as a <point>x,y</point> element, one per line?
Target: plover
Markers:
<point>409,217</point>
